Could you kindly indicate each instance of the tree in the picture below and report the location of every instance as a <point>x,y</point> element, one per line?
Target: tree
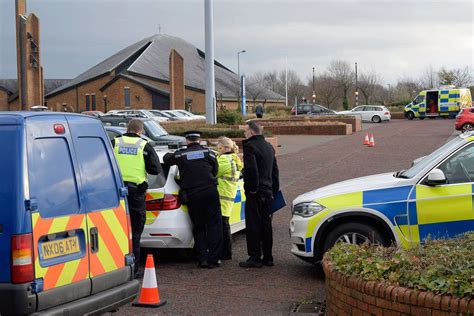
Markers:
<point>256,85</point>
<point>326,89</point>
<point>367,84</point>
<point>429,78</point>
<point>341,71</point>
<point>458,77</point>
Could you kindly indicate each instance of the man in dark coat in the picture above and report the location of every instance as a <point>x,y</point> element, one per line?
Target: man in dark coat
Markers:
<point>260,183</point>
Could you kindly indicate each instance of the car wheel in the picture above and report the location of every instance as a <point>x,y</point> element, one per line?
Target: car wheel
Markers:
<point>353,233</point>
<point>410,115</point>
<point>467,127</point>
<point>376,119</point>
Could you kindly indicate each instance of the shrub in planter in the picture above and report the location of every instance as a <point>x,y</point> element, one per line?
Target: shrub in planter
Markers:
<point>439,266</point>
<point>229,117</point>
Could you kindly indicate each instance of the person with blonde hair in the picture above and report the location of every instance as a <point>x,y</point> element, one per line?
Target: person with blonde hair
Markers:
<point>228,175</point>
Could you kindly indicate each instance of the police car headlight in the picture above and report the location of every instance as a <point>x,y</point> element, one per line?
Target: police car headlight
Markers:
<point>307,209</point>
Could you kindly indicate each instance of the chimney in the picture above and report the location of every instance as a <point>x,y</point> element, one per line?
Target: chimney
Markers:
<point>177,93</point>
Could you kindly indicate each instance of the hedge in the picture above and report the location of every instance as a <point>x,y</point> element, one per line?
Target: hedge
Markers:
<point>439,266</point>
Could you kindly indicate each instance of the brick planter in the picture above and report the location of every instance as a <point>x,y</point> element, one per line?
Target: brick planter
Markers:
<point>352,120</point>
<point>310,129</point>
<point>352,296</point>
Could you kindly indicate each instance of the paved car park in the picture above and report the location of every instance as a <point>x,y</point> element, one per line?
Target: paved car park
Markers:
<point>233,290</point>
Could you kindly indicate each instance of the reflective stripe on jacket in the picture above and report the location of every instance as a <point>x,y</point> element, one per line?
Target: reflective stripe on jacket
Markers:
<point>228,175</point>
<point>129,154</point>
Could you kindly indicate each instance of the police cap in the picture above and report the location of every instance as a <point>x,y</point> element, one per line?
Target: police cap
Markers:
<point>192,134</point>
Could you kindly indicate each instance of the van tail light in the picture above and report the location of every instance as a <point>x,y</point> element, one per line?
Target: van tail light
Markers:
<point>22,270</point>
<point>130,239</point>
<point>167,203</point>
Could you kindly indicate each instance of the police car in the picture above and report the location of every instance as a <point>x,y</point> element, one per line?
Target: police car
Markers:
<point>432,199</point>
<point>168,224</point>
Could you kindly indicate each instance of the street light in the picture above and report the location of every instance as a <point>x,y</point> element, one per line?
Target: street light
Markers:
<point>357,89</point>
<point>314,93</point>
<point>238,68</point>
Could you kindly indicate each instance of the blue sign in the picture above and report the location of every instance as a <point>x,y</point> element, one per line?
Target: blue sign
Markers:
<point>242,88</point>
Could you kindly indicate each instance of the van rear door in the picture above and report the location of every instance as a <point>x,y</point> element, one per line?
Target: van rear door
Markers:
<point>104,201</point>
<point>59,223</point>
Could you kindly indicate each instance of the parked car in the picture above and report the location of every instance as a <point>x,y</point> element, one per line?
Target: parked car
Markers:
<point>173,229</point>
<point>139,113</point>
<point>160,113</point>
<point>93,113</point>
<point>316,109</point>
<point>465,120</point>
<point>153,130</point>
<point>177,116</point>
<point>370,113</point>
<point>65,234</point>
<point>432,199</point>
<point>191,115</point>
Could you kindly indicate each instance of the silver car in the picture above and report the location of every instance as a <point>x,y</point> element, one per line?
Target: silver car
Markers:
<point>370,113</point>
<point>139,113</point>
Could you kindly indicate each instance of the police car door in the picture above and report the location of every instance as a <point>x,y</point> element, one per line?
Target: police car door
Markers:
<point>104,202</point>
<point>446,210</point>
<point>59,224</point>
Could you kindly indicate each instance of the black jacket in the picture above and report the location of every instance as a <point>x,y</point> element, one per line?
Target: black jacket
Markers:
<point>260,166</point>
<point>152,162</point>
<point>197,167</point>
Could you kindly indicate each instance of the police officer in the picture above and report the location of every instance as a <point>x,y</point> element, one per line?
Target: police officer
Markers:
<point>198,167</point>
<point>136,158</point>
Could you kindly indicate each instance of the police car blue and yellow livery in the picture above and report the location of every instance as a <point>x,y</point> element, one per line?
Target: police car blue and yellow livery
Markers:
<point>439,102</point>
<point>432,199</point>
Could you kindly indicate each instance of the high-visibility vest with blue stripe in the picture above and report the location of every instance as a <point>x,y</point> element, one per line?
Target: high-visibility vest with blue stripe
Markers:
<point>129,154</point>
<point>228,175</point>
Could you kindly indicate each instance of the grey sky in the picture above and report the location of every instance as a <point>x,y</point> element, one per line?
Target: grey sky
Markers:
<point>395,38</point>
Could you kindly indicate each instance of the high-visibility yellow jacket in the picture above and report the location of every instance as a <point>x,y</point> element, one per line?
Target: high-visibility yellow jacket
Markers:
<point>228,175</point>
<point>129,154</point>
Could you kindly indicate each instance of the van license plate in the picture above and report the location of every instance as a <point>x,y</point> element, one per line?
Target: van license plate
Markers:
<point>61,247</point>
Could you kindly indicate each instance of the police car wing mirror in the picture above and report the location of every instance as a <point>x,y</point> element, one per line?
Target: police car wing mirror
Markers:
<point>436,177</point>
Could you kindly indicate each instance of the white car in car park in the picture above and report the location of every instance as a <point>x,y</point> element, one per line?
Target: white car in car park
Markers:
<point>191,115</point>
<point>138,113</point>
<point>168,224</point>
<point>370,113</point>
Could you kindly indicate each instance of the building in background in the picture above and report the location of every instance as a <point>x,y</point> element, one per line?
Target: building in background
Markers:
<point>158,72</point>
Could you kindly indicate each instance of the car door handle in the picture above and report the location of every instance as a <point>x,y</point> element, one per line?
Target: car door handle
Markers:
<point>94,239</point>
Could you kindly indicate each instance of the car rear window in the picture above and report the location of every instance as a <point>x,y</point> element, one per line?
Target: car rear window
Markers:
<point>159,181</point>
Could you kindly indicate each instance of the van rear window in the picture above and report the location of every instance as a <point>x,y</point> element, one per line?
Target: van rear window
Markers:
<point>52,177</point>
<point>98,181</point>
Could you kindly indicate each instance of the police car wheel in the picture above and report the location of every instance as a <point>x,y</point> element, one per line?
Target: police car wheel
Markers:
<point>467,128</point>
<point>410,115</point>
<point>353,233</point>
<point>376,119</point>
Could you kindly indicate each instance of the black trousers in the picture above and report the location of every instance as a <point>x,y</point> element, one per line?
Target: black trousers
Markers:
<point>258,224</point>
<point>136,206</point>
<point>205,212</point>
<point>226,238</point>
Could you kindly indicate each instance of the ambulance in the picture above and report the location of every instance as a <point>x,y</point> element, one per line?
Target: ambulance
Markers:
<point>432,199</point>
<point>65,233</point>
<point>444,102</point>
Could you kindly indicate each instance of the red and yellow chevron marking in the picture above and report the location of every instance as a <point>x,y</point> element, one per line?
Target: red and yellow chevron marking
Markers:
<point>113,239</point>
<point>66,272</point>
<point>152,215</point>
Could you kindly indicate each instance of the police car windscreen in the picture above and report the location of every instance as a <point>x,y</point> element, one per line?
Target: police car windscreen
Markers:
<point>154,129</point>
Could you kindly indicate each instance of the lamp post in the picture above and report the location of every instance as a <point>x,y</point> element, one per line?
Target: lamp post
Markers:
<point>238,69</point>
<point>357,89</point>
<point>314,93</point>
<point>210,76</point>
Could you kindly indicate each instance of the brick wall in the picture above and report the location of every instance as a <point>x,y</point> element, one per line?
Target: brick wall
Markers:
<point>351,296</point>
<point>3,100</point>
<point>327,129</point>
<point>354,121</point>
<point>176,80</point>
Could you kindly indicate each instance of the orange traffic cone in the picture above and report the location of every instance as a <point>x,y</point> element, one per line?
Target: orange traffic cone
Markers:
<point>366,140</point>
<point>372,141</point>
<point>149,294</point>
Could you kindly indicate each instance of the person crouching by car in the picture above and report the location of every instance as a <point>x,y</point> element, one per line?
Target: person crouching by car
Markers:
<point>228,175</point>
